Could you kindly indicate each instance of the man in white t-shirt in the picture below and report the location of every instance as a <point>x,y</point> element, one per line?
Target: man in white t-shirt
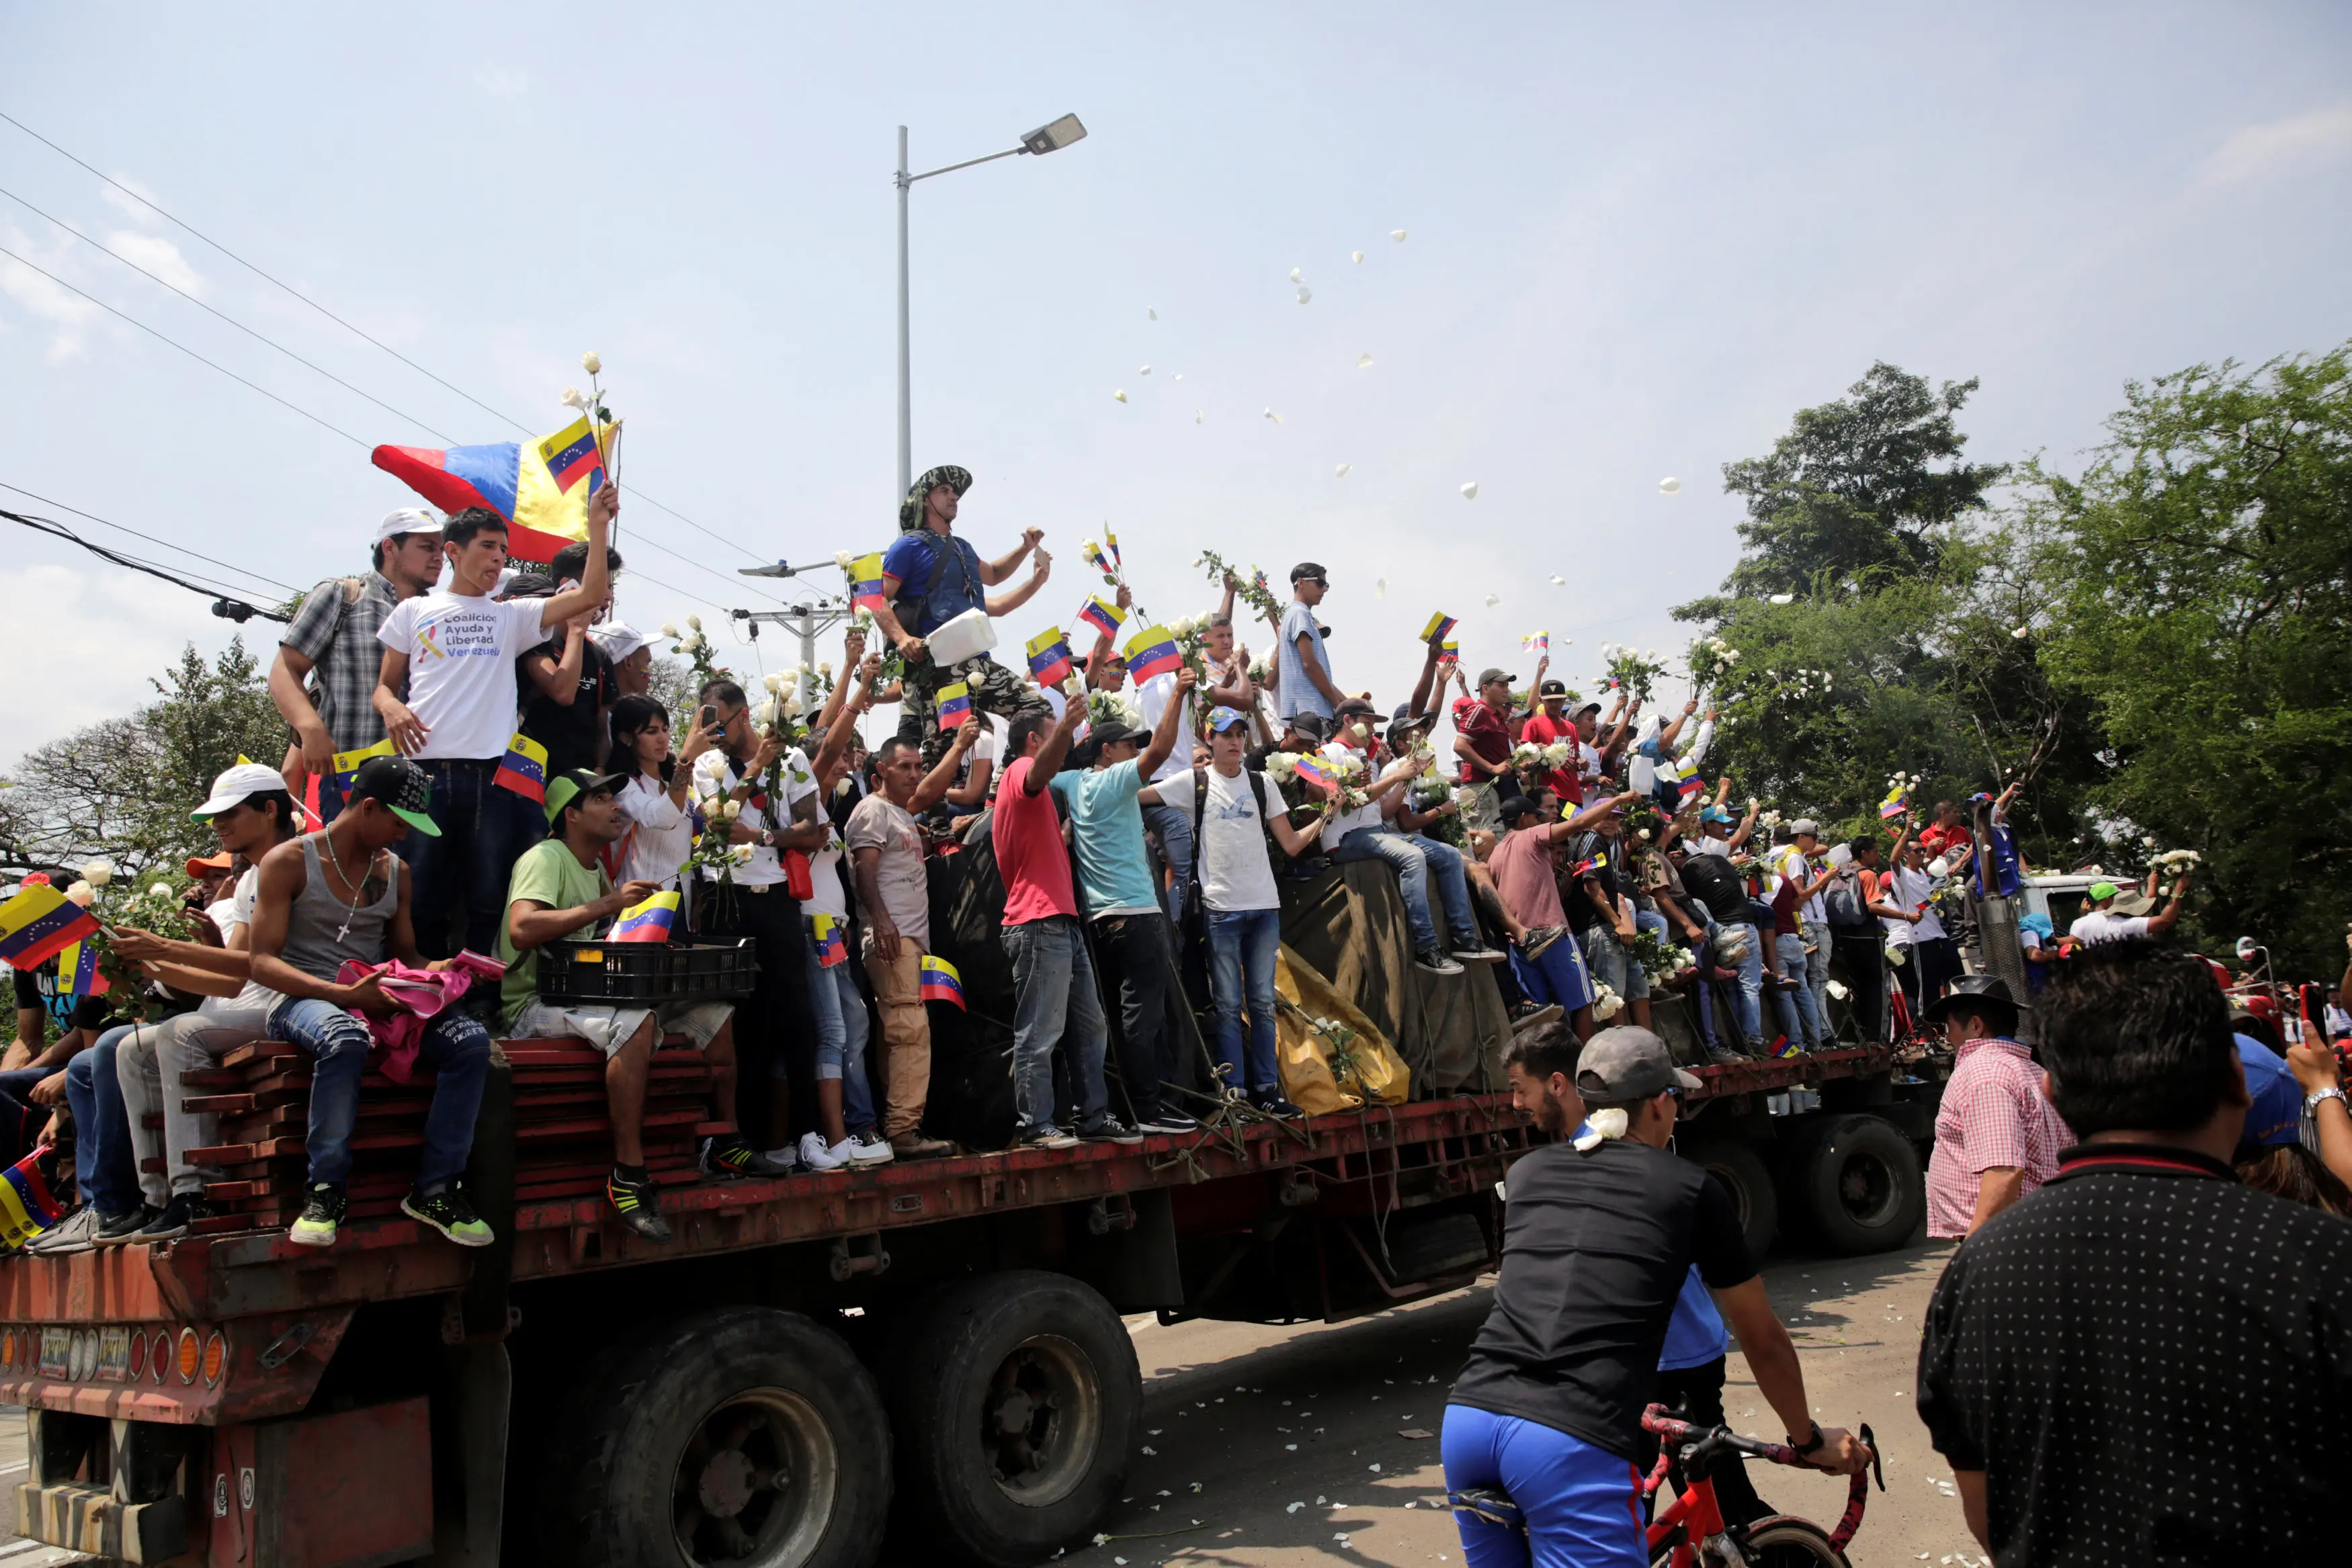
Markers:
<point>1363,833</point>
<point>453,651</point>
<point>1174,828</point>
<point>2113,918</point>
<point>1236,811</point>
<point>1802,863</point>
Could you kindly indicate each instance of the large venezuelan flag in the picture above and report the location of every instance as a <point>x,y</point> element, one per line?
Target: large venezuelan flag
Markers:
<point>38,922</point>
<point>513,480</point>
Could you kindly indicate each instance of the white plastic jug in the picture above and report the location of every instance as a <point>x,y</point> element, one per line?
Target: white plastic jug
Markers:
<point>967,637</point>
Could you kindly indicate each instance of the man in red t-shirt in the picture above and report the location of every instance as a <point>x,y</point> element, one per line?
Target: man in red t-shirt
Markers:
<point>1550,726</point>
<point>1946,834</point>
<point>1054,986</point>
<point>1482,739</point>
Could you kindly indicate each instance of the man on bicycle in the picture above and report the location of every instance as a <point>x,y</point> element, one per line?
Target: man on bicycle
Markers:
<point>1598,1235</point>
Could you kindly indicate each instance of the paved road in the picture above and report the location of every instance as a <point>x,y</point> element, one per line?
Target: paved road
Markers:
<point>1282,1447</point>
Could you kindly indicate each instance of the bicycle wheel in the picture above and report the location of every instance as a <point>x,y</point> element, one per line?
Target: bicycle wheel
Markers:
<point>1784,1543</point>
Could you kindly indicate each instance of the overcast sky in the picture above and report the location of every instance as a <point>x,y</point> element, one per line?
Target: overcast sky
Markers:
<point>1634,244</point>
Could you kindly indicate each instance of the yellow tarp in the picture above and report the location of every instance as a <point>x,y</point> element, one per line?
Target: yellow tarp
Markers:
<point>1377,1074</point>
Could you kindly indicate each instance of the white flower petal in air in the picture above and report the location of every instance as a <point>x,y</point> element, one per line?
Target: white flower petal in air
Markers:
<point>1274,416</point>
<point>1670,486</point>
<point>1294,275</point>
<point>1493,600</point>
<point>591,364</point>
<point>1380,588</point>
<point>1118,397</point>
<point>1304,294</point>
<point>1784,599</point>
<point>1470,491</point>
<point>1558,580</point>
<point>1144,371</point>
<point>1363,362</point>
<point>1196,416</point>
<point>1341,471</point>
<point>1397,234</point>
<point>1151,313</point>
<point>1357,256</point>
<point>1180,375</point>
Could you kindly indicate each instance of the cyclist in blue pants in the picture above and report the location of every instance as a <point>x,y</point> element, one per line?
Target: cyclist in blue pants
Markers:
<point>1600,1233</point>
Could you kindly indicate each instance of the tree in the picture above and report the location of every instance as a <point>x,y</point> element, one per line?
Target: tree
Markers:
<point>2202,570</point>
<point>1849,496</point>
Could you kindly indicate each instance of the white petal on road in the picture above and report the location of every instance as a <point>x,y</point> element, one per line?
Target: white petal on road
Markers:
<point>1118,397</point>
<point>1338,472</point>
<point>1294,1508</point>
<point>1670,486</point>
<point>1375,1469</point>
<point>1470,491</point>
<point>1363,362</point>
<point>1291,1449</point>
<point>1358,254</point>
<point>1304,294</point>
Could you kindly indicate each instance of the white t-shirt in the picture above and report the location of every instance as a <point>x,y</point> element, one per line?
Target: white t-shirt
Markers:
<point>1152,697</point>
<point>1367,816</point>
<point>1792,864</point>
<point>1236,867</point>
<point>661,832</point>
<point>256,997</point>
<point>832,897</point>
<point>1908,889</point>
<point>715,776</point>
<point>461,667</point>
<point>2105,925</point>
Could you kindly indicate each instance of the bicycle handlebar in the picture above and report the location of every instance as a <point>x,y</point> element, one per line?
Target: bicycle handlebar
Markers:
<point>1670,1431</point>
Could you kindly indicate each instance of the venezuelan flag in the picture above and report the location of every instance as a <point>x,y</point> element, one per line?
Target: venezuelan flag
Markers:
<point>831,949</point>
<point>1598,862</point>
<point>955,704</point>
<point>1451,652</point>
<point>1094,557</point>
<point>865,582</point>
<point>1784,1047</point>
<point>28,1206</point>
<point>1112,540</point>
<point>524,769</point>
<point>1316,774</point>
<point>1440,626</point>
<point>1896,804</point>
<point>1536,642</point>
<point>649,921</point>
<point>38,922</point>
<point>78,969</point>
<point>512,480</point>
<point>940,981</point>
<point>572,455</point>
<point>348,763</point>
<point>1152,651</point>
<point>1049,658</point>
<point>1103,616</point>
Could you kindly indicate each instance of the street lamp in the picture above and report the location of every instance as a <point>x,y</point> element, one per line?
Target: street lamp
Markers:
<point>1045,139</point>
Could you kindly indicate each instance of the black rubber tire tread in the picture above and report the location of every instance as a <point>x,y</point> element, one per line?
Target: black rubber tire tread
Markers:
<point>947,1500</point>
<point>1782,1542</point>
<point>1812,1177</point>
<point>608,1501</point>
<point>1735,1163</point>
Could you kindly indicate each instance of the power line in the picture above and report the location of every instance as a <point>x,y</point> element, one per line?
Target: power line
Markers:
<point>151,538</point>
<point>339,322</point>
<point>228,602</point>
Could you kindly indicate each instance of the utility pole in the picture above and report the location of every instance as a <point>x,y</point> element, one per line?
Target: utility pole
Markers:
<point>804,622</point>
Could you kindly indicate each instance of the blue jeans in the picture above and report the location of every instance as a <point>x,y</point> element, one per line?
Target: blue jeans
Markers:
<point>841,1036</point>
<point>1174,828</point>
<point>1243,946</point>
<point>1582,1504</point>
<point>1817,970</point>
<point>484,830</point>
<point>104,1167</point>
<point>1749,1000</point>
<point>455,1046</point>
<point>1418,863</point>
<point>1556,974</point>
<point>1613,965</point>
<point>1797,1008</point>
<point>1055,1003</point>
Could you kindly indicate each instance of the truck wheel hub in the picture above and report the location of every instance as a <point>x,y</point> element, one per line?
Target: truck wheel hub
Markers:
<point>727,1484</point>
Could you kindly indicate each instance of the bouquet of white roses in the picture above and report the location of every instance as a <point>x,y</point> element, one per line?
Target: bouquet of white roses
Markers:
<point>1632,669</point>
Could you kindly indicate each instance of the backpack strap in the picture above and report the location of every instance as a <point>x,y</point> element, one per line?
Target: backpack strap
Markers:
<point>1200,806</point>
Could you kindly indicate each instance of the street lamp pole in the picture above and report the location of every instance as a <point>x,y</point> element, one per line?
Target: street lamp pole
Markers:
<point>1045,139</point>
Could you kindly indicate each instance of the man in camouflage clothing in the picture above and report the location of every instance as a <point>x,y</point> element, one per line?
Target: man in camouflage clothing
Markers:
<point>931,576</point>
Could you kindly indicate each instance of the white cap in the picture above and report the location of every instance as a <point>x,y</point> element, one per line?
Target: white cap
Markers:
<point>407,520</point>
<point>617,638</point>
<point>239,784</point>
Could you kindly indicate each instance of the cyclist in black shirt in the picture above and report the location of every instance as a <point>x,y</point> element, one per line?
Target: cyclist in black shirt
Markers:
<point>1598,1235</point>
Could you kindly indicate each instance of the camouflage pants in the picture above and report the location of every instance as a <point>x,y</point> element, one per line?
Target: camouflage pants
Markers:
<point>994,690</point>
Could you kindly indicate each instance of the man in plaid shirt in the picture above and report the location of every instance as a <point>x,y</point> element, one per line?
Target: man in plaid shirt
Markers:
<point>1997,1134</point>
<point>333,639</point>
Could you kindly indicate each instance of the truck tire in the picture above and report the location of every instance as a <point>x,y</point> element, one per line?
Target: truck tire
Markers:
<point>1016,1404</point>
<point>742,1436</point>
<point>1735,1163</point>
<point>1858,1181</point>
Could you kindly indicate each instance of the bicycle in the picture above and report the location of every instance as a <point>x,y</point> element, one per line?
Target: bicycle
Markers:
<point>1690,1533</point>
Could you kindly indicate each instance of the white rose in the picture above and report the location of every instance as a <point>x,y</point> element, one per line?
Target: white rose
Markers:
<point>773,683</point>
<point>97,873</point>
<point>572,399</point>
<point>591,364</point>
<point>669,629</point>
<point>81,893</point>
<point>790,704</point>
<point>825,669</point>
<point>842,558</point>
<point>161,890</point>
<point>695,622</point>
<point>765,715</point>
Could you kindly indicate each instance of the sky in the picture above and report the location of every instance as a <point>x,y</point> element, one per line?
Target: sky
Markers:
<point>1635,241</point>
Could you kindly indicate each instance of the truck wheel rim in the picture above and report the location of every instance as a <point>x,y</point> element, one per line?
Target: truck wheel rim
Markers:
<point>1867,1188</point>
<point>1041,1420</point>
<point>756,1482</point>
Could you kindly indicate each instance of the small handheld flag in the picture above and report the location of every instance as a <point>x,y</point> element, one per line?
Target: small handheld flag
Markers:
<point>28,1205</point>
<point>38,922</point>
<point>348,763</point>
<point>940,981</point>
<point>648,922</point>
<point>78,969</point>
<point>1112,540</point>
<point>955,704</point>
<point>1895,805</point>
<point>1450,652</point>
<point>1316,774</point>
<point>1094,558</point>
<point>831,949</point>
<point>524,769</point>
<point>865,582</point>
<point>1102,615</point>
<point>1049,658</point>
<point>1598,862</point>
<point>1784,1047</point>
<point>1536,642</point>
<point>1440,626</point>
<point>572,455</point>
<point>1152,651</point>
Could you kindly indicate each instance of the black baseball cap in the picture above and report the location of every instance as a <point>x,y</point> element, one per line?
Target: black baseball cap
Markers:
<point>406,790</point>
<point>1353,705</point>
<point>1305,568</point>
<point>1112,732</point>
<point>1553,689</point>
<point>1514,807</point>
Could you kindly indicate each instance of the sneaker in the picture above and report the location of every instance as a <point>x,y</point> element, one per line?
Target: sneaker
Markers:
<point>1723,1057</point>
<point>638,1205</point>
<point>1048,1136</point>
<point>184,1209</point>
<point>1110,1130</point>
<point>1270,1103</point>
<point>1539,938</point>
<point>1435,962</point>
<point>450,1212</point>
<point>915,1146</point>
<point>1532,1014</point>
<point>728,1157</point>
<point>1170,1123</point>
<point>866,1148</point>
<point>816,1154</point>
<point>788,1157</point>
<point>1476,952</point>
<point>74,1233</point>
<point>322,1212</point>
<point>114,1230</point>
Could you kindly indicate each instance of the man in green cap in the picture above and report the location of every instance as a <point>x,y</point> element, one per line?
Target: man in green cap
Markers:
<point>931,576</point>
<point>2114,917</point>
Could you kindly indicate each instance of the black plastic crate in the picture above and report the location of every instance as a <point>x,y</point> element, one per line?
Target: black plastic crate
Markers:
<point>636,974</point>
